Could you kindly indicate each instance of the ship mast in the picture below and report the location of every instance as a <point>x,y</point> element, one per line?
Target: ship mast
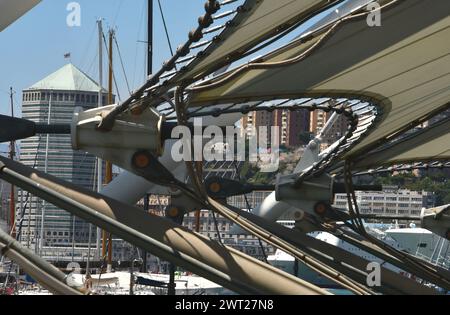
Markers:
<point>150,38</point>
<point>100,104</point>
<point>108,174</point>
<point>149,73</point>
<point>12,153</point>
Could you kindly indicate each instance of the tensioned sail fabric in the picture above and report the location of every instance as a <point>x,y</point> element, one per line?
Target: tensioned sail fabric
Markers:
<point>429,144</point>
<point>11,10</point>
<point>261,19</point>
<point>404,65</point>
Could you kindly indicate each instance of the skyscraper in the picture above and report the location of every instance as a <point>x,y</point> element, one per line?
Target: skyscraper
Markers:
<point>55,98</point>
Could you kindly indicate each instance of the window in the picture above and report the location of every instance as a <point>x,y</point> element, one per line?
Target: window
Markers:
<point>77,98</point>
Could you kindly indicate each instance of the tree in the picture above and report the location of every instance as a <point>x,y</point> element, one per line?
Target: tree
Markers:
<point>305,137</point>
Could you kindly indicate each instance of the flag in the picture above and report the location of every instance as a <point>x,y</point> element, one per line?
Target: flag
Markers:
<point>67,56</point>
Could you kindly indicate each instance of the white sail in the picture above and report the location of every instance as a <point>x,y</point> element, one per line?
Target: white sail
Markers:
<point>12,10</point>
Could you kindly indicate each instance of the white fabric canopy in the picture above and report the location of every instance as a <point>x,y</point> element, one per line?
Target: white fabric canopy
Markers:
<point>404,65</point>
<point>262,20</point>
<point>11,10</point>
<point>429,144</point>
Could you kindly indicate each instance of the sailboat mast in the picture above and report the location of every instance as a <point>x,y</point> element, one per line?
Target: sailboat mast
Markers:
<point>149,73</point>
<point>109,175</point>
<point>150,38</point>
<point>100,104</point>
<point>12,153</point>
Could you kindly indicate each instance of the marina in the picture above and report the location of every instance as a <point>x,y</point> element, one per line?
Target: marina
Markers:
<point>282,148</point>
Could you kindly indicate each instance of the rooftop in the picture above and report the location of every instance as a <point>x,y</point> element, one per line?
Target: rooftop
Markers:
<point>67,78</point>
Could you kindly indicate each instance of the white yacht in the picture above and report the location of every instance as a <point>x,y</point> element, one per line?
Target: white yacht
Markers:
<point>416,241</point>
<point>118,283</point>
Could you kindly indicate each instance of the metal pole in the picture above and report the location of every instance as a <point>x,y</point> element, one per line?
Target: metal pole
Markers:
<point>100,104</point>
<point>88,270</point>
<point>144,253</point>
<point>49,276</point>
<point>171,288</point>
<point>109,175</point>
<point>149,73</point>
<point>73,238</point>
<point>132,276</point>
<point>221,264</point>
<point>150,38</point>
<point>12,195</point>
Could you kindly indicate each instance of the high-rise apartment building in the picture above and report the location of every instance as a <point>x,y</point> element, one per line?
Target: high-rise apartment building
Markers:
<point>291,125</point>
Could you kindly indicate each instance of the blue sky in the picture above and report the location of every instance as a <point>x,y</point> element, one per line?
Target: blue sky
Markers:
<point>34,46</point>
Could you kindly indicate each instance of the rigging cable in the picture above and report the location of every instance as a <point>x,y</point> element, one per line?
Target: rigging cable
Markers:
<point>165,27</point>
<point>141,19</point>
<point>407,260</point>
<point>263,251</point>
<point>122,64</point>
<point>22,215</point>
<point>201,196</point>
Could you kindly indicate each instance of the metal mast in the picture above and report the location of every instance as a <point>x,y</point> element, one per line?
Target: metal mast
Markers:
<point>100,104</point>
<point>12,153</point>
<point>149,73</point>
<point>108,174</point>
<point>150,38</point>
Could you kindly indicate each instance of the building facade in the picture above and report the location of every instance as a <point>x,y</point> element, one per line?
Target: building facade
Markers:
<point>55,98</point>
<point>5,191</point>
<point>319,118</point>
<point>390,202</point>
<point>291,125</point>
